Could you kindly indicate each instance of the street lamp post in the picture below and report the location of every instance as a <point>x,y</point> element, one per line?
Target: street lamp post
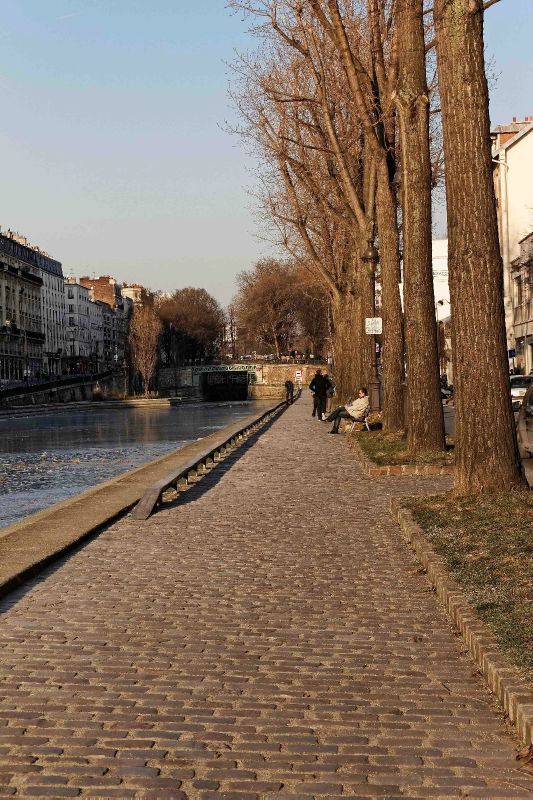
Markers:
<point>441,354</point>
<point>371,257</point>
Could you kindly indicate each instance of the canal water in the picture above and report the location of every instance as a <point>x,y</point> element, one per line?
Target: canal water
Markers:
<point>48,458</point>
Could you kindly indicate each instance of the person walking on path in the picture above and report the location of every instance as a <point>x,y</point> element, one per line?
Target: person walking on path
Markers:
<point>289,391</point>
<point>354,410</point>
<point>319,387</point>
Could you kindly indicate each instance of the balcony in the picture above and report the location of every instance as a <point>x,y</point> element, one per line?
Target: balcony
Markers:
<point>29,277</point>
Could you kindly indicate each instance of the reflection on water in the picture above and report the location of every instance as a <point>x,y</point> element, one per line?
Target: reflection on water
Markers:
<point>47,458</point>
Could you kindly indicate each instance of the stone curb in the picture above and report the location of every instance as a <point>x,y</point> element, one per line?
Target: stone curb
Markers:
<point>502,677</point>
<point>399,470</point>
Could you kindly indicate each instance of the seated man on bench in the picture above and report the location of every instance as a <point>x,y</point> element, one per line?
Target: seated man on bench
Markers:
<point>355,410</point>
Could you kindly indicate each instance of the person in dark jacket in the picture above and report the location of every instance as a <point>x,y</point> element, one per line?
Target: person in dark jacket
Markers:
<point>289,391</point>
<point>319,387</point>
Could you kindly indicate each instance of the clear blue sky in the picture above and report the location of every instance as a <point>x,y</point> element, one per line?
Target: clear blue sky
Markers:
<point>113,155</point>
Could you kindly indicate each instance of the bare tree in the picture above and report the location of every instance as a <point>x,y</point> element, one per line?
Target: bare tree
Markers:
<point>281,306</point>
<point>487,456</point>
<point>195,321</point>
<point>265,304</point>
<point>371,72</point>
<point>144,332</point>
<point>355,148</point>
<point>313,312</point>
<point>425,422</point>
<point>298,130</point>
<point>232,329</point>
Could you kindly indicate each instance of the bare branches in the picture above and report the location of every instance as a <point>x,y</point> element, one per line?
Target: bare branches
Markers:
<point>144,332</point>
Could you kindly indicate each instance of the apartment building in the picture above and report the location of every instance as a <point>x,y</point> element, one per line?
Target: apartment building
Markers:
<point>106,289</point>
<point>53,312</point>
<point>522,282</point>
<point>96,324</point>
<point>78,326</point>
<point>513,184</point>
<point>21,325</point>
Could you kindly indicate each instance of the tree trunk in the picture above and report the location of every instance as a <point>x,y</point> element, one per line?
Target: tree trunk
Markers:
<point>391,312</point>
<point>425,419</point>
<point>367,354</point>
<point>485,438</point>
<point>352,348</point>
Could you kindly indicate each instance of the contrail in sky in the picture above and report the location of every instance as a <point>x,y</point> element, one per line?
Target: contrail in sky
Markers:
<point>68,16</point>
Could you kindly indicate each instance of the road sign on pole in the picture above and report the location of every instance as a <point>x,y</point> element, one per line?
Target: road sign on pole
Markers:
<point>373,325</point>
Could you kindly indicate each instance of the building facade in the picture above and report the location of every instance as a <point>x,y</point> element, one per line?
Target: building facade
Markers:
<point>106,289</point>
<point>53,312</point>
<point>21,325</point>
<point>522,281</point>
<point>78,327</point>
<point>134,291</point>
<point>96,324</point>
<point>50,325</point>
<point>513,185</point>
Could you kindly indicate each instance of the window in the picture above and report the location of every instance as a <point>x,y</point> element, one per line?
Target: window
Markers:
<point>518,291</point>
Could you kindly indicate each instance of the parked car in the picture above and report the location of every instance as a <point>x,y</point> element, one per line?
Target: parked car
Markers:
<point>524,424</point>
<point>519,386</point>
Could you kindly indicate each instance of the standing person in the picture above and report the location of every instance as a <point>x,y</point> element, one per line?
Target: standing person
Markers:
<point>354,409</point>
<point>319,387</point>
<point>289,391</point>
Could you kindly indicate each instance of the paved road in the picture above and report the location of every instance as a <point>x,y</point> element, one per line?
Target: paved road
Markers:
<point>269,636</point>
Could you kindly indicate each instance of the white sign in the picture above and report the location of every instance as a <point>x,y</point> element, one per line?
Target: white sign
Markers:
<point>440,274</point>
<point>373,325</point>
<point>298,376</point>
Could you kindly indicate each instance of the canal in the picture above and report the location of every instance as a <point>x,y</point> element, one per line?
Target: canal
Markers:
<point>48,458</point>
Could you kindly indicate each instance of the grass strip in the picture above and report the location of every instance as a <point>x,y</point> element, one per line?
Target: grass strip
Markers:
<point>390,449</point>
<point>487,543</point>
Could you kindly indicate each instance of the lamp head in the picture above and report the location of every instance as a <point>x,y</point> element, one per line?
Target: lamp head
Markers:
<point>371,254</point>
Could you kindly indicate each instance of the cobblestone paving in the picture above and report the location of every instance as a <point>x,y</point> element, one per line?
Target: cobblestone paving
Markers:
<point>270,635</point>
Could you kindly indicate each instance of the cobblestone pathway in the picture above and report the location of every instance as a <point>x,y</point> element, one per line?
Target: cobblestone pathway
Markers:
<point>268,636</point>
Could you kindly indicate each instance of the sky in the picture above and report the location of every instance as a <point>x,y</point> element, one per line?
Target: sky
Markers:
<point>114,151</point>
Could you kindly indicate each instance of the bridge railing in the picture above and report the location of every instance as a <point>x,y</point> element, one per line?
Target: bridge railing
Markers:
<point>202,456</point>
